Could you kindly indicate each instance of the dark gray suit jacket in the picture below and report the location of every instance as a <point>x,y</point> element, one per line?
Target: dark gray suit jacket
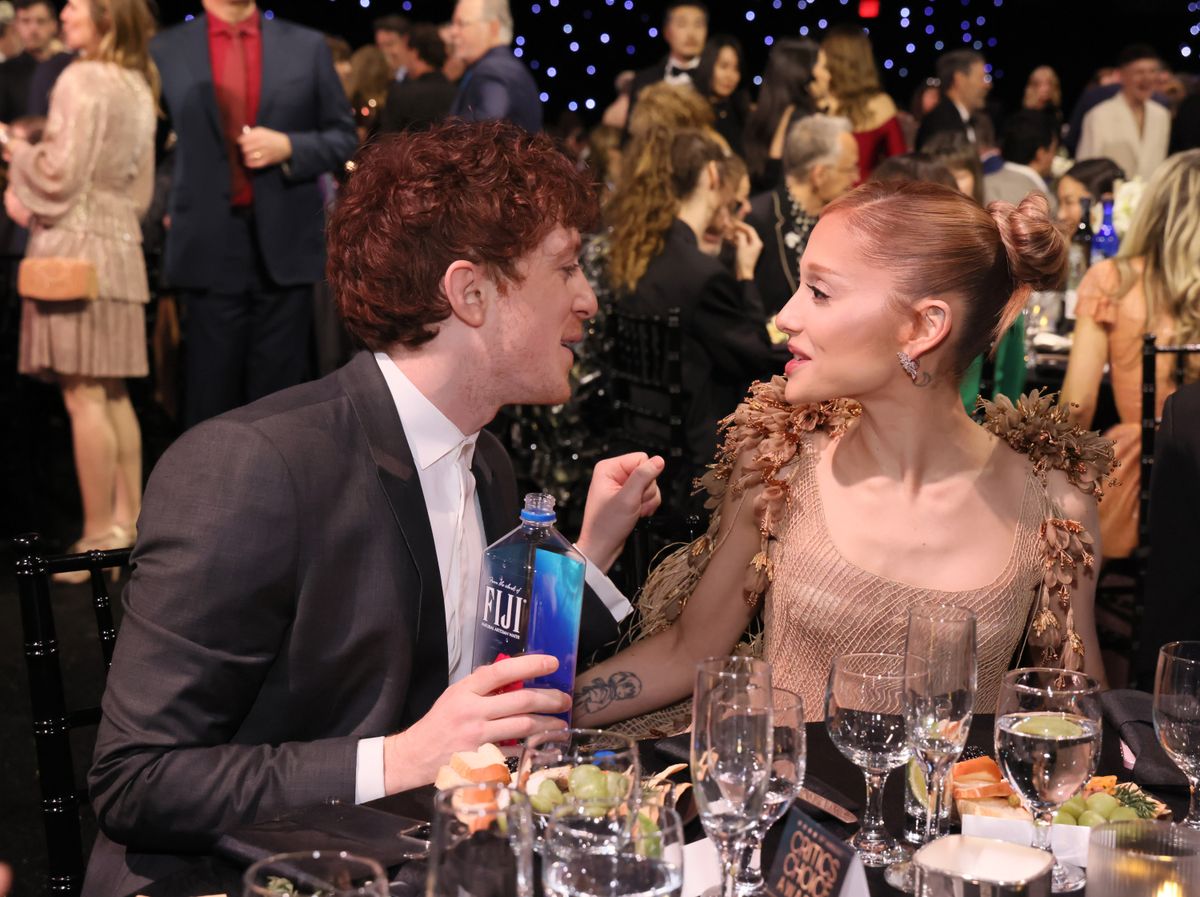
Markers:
<point>300,96</point>
<point>285,602</point>
<point>499,86</point>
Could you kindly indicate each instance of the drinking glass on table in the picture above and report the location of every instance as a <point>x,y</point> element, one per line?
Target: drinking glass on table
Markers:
<point>315,873</point>
<point>864,713</point>
<point>649,864</point>
<point>1048,727</point>
<point>1177,715</point>
<point>582,767</point>
<point>940,670</point>
<point>787,775</point>
<point>482,843</point>
<point>731,750</point>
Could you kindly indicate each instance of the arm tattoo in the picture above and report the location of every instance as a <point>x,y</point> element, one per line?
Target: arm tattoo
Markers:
<point>599,693</point>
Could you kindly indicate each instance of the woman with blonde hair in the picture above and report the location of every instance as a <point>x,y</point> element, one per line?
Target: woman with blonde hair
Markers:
<point>82,191</point>
<point>1043,91</point>
<point>370,78</point>
<point>1152,286</point>
<point>846,83</point>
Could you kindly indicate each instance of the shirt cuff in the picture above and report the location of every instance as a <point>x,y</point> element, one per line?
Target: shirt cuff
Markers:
<point>608,593</point>
<point>368,770</point>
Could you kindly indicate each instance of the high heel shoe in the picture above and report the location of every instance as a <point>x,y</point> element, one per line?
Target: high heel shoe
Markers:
<point>117,537</point>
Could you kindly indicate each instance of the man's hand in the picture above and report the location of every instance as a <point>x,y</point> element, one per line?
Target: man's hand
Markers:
<point>262,147</point>
<point>470,713</point>
<point>16,209</point>
<point>749,247</point>
<point>623,490</point>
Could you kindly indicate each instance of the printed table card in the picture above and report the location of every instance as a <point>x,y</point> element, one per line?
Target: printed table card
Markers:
<point>811,862</point>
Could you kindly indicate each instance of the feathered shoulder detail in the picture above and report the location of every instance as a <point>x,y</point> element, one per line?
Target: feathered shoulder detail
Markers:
<point>1039,426</point>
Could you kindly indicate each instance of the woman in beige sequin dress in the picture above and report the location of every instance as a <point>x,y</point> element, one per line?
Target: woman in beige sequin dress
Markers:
<point>858,487</point>
<point>82,191</point>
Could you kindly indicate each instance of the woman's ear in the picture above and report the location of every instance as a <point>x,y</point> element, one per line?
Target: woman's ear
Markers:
<point>929,324</point>
<point>466,289</point>
<point>713,173</point>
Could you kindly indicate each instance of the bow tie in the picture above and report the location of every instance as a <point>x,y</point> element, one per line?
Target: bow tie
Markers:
<point>674,71</point>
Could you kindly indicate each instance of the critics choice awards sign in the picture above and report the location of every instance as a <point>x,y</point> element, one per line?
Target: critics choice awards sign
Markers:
<point>811,862</point>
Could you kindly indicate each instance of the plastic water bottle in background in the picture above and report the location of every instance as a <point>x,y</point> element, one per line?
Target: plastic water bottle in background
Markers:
<point>531,596</point>
<point>1105,243</point>
<point>1079,257</point>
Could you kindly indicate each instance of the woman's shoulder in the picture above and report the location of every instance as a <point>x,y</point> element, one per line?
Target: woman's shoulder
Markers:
<point>880,109</point>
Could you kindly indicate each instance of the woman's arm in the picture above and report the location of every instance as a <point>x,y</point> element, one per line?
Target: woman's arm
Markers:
<point>660,670</point>
<point>1089,344</point>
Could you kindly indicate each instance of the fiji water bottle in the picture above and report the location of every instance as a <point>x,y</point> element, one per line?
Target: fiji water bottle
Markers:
<point>1105,242</point>
<point>531,596</point>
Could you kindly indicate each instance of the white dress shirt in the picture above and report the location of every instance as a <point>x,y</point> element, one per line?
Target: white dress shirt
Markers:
<point>965,114</point>
<point>1110,131</point>
<point>437,446</point>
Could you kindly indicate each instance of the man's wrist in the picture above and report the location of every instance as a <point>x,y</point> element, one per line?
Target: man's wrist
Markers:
<point>401,770</point>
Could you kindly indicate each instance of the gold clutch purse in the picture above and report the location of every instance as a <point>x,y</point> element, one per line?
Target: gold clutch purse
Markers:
<point>57,280</point>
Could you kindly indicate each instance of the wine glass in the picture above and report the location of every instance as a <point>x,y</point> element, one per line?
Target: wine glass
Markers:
<point>582,767</point>
<point>1177,714</point>
<point>482,843</point>
<point>864,713</point>
<point>315,873</point>
<point>787,775</point>
<point>731,753</point>
<point>650,864</point>
<point>1048,726</point>
<point>939,698</point>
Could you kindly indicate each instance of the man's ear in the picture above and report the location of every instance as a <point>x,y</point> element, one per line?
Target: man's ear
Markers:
<point>466,289</point>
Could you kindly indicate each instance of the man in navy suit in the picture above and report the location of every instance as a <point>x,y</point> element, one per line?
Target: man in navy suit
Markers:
<point>259,115</point>
<point>495,84</point>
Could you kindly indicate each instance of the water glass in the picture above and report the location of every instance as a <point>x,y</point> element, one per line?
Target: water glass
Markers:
<point>585,768</point>
<point>649,864</point>
<point>787,775</point>
<point>864,713</point>
<point>1143,858</point>
<point>939,699</point>
<point>315,873</point>
<point>1048,729</point>
<point>732,743</point>
<point>1177,714</point>
<point>482,843</point>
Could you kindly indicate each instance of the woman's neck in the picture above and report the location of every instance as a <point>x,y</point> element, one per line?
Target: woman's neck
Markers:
<point>696,212</point>
<point>914,439</point>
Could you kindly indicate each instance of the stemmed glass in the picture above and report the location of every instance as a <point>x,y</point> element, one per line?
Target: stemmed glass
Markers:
<point>1177,715</point>
<point>1048,727</point>
<point>732,739</point>
<point>482,843</point>
<point>650,864</point>
<point>787,775</point>
<point>587,768</point>
<point>315,873</point>
<point>939,698</point>
<point>864,713</point>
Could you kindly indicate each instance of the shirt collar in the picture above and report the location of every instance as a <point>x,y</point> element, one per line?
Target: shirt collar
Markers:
<point>672,62</point>
<point>431,435</point>
<point>963,112</point>
<point>248,27</point>
<point>1029,173</point>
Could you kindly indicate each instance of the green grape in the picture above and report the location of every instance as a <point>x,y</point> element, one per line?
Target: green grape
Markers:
<point>1075,806</point>
<point>1062,817</point>
<point>549,793</point>
<point>1103,803</point>
<point>617,785</point>
<point>586,782</point>
<point>1123,814</point>
<point>1091,818</point>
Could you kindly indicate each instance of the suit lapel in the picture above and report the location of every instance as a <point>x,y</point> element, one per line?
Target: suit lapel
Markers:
<point>273,57</point>
<point>784,261</point>
<point>195,52</point>
<point>376,411</point>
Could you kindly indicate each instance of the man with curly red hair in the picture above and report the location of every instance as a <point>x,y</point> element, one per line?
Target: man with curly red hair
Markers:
<point>299,621</point>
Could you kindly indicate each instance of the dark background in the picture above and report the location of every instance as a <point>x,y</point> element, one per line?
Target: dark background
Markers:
<point>1074,36</point>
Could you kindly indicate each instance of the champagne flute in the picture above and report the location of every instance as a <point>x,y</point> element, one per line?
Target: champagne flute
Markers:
<point>864,713</point>
<point>482,843</point>
<point>731,753</point>
<point>1048,727</point>
<point>787,775</point>
<point>940,670</point>
<point>1177,715</point>
<point>315,873</point>
<point>649,865</point>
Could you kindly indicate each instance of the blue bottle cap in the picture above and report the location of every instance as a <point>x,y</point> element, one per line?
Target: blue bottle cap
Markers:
<point>539,508</point>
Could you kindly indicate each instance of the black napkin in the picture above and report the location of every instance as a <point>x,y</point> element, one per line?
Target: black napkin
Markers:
<point>1131,714</point>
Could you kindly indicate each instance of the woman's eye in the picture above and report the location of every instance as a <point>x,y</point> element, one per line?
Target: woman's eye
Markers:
<point>818,294</point>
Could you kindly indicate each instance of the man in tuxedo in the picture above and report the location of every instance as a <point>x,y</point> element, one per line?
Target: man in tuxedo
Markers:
<point>685,29</point>
<point>36,25</point>
<point>391,37</point>
<point>1173,581</point>
<point>259,115</point>
<point>495,84</point>
<point>300,618</point>
<point>1029,146</point>
<point>965,86</point>
<point>424,96</point>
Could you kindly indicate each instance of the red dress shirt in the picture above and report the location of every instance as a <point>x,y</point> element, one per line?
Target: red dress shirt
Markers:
<point>220,47</point>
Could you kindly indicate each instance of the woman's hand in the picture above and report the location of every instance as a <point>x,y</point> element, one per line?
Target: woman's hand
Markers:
<point>749,247</point>
<point>15,208</point>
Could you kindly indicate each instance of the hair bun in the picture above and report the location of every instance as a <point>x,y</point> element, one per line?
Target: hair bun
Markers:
<point>1036,248</point>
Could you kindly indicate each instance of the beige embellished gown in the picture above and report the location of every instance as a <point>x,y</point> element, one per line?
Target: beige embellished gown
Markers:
<point>819,605</point>
<point>88,183</point>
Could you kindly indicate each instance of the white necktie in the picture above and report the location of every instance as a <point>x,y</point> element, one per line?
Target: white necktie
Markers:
<point>463,582</point>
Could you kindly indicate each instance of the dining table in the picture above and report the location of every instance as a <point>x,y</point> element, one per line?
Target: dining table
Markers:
<point>828,773</point>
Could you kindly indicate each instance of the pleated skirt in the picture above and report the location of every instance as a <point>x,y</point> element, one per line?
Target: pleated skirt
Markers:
<point>100,338</point>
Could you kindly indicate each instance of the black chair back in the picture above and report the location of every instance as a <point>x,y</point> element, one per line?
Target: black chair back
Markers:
<point>52,720</point>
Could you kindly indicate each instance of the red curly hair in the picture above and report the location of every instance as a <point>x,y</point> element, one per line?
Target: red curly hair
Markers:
<point>488,192</point>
